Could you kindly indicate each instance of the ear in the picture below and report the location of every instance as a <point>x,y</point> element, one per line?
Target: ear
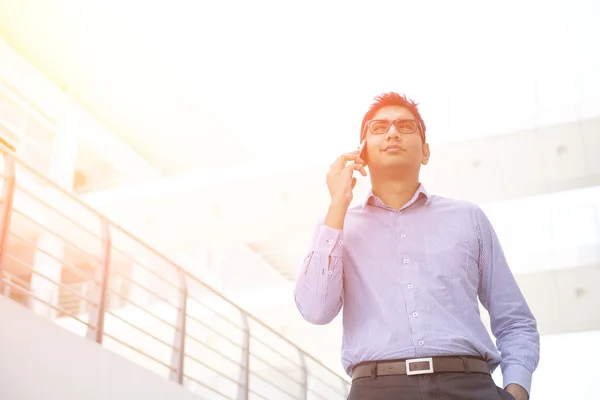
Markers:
<point>426,154</point>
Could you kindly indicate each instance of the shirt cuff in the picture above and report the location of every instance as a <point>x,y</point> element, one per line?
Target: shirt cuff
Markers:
<point>329,241</point>
<point>518,374</point>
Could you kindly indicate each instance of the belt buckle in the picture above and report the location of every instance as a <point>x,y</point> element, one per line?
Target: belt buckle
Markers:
<point>420,371</point>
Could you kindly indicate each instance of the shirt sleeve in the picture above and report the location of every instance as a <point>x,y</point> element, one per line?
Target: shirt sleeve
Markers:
<point>512,322</point>
<point>319,289</point>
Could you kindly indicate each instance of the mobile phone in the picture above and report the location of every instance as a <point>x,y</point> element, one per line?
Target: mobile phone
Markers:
<point>361,149</point>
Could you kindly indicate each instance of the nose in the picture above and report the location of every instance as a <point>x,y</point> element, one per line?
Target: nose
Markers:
<point>392,133</point>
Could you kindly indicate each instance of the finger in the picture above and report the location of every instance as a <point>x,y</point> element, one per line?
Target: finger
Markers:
<point>362,170</point>
<point>348,171</point>
<point>356,167</point>
<point>341,161</point>
<point>353,182</point>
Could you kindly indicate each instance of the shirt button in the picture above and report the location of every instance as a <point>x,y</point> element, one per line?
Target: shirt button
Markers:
<point>403,236</point>
<point>410,286</point>
<point>421,343</point>
<point>330,272</point>
<point>406,261</point>
<point>341,242</point>
<point>415,314</point>
<point>330,241</point>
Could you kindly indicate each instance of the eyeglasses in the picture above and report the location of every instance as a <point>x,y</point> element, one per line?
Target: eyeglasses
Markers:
<point>404,126</point>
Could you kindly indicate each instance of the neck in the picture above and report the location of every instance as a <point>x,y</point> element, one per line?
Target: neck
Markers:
<point>395,192</point>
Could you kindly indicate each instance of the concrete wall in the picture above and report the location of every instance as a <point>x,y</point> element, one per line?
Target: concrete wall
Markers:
<point>40,360</point>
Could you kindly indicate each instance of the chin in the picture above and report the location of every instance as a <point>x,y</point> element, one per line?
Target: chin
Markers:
<point>396,164</point>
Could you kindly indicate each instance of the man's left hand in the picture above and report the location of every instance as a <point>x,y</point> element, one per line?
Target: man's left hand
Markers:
<point>517,391</point>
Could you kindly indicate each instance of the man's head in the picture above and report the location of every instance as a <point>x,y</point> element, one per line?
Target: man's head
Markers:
<point>395,134</point>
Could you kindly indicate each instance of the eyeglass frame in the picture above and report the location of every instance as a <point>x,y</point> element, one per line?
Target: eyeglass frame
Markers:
<point>419,126</point>
<point>367,127</point>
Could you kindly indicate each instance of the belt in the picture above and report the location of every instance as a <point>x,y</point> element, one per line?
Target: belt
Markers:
<point>419,366</point>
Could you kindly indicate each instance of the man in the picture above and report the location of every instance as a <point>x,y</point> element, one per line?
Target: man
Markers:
<point>408,268</point>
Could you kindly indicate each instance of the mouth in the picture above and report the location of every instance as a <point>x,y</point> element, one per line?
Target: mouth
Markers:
<point>393,148</point>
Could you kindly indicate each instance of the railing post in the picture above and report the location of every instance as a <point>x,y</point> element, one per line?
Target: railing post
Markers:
<point>178,357</point>
<point>304,378</point>
<point>6,202</point>
<point>244,380</point>
<point>95,331</point>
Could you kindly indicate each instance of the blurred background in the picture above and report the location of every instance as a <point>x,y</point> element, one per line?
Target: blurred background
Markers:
<point>164,168</point>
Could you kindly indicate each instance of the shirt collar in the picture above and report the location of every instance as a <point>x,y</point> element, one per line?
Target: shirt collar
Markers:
<point>371,199</point>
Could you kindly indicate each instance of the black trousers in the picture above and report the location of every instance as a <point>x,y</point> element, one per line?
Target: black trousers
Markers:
<point>440,386</point>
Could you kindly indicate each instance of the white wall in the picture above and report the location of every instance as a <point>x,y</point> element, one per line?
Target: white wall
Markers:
<point>41,360</point>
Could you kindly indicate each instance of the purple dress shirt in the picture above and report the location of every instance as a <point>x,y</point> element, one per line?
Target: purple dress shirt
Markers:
<point>409,281</point>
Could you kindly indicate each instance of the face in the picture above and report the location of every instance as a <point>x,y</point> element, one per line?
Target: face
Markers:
<point>394,149</point>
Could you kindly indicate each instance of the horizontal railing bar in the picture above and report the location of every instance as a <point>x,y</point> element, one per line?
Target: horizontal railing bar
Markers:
<point>251,372</point>
<point>283,356</point>
<point>69,303</point>
<point>143,309</point>
<point>16,278</point>
<point>226,357</point>
<point>274,368</point>
<point>212,369</point>
<point>115,249</point>
<point>264,325</point>
<point>76,270</point>
<point>84,252</point>
<point>59,284</point>
<point>66,298</point>
<point>215,313</point>
<point>204,385</point>
<point>169,345</point>
<point>32,296</point>
<point>131,280</point>
<point>50,182</point>
<point>196,320</point>
<point>77,224</point>
<point>279,335</point>
<point>31,142</point>
<point>137,350</point>
<point>319,395</point>
<point>257,394</point>
<point>337,390</point>
<point>286,358</point>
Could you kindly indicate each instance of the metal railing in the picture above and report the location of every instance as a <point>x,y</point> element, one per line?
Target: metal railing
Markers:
<point>65,260</point>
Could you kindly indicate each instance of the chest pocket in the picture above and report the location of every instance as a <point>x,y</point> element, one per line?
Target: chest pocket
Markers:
<point>449,255</point>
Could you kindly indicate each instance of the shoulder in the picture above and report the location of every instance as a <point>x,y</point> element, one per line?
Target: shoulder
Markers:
<point>451,204</point>
<point>459,210</point>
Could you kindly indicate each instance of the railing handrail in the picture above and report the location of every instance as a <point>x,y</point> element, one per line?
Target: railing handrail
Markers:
<point>180,270</point>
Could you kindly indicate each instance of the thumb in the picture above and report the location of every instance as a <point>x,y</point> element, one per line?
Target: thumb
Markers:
<point>353,182</point>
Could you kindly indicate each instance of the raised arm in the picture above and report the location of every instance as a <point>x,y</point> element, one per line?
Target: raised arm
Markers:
<point>319,290</point>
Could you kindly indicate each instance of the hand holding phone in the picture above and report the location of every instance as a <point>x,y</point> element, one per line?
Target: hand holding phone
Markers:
<point>340,181</point>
